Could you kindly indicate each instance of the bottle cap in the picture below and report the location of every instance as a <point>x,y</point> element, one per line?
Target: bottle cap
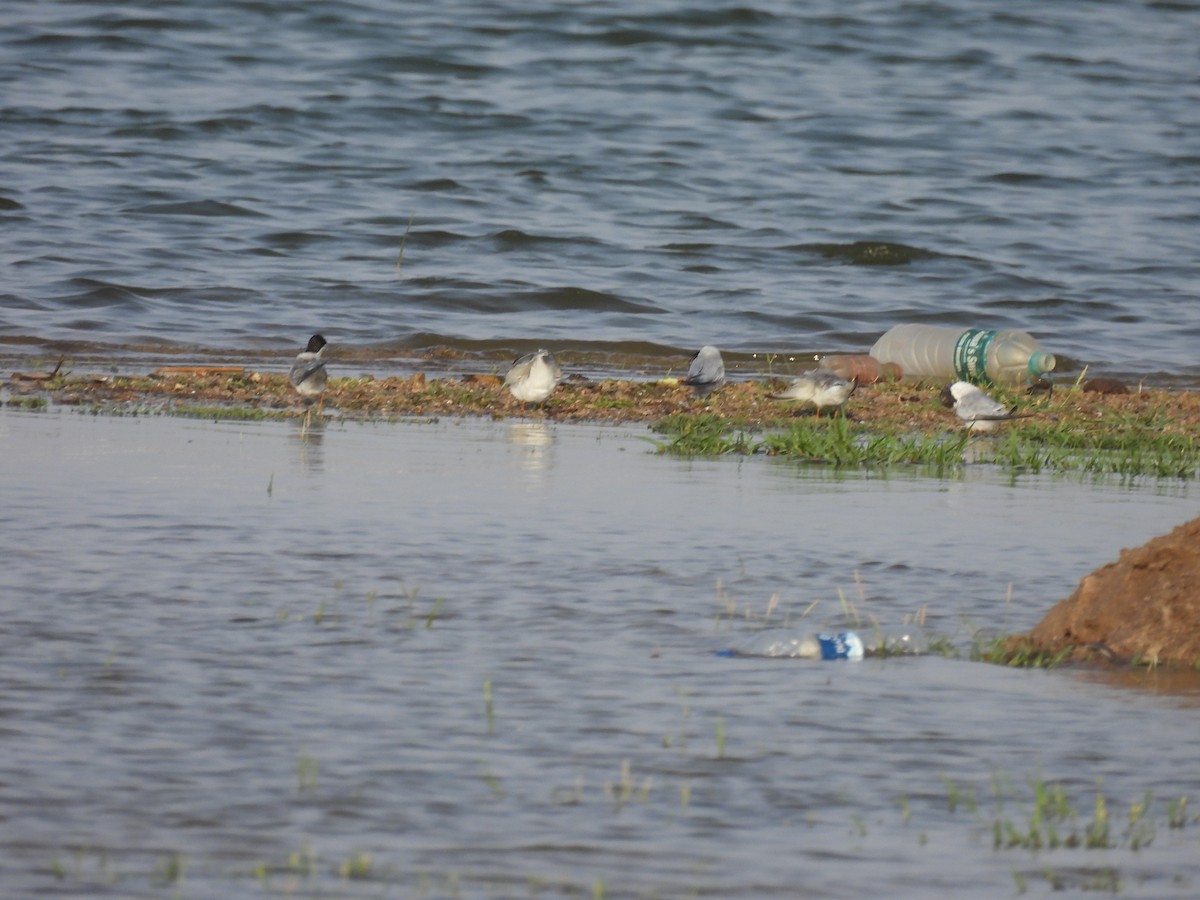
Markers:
<point>1040,361</point>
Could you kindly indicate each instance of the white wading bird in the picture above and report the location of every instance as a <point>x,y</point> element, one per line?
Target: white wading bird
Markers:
<point>820,387</point>
<point>977,410</point>
<point>533,377</point>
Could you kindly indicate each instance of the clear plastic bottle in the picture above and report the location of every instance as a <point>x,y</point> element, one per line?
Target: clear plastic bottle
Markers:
<point>861,367</point>
<point>783,642</point>
<point>910,641</point>
<point>972,354</point>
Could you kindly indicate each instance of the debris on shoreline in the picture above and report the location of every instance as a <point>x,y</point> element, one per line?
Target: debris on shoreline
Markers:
<point>889,406</point>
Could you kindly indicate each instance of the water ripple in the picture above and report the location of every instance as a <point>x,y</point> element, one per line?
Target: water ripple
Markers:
<point>635,175</point>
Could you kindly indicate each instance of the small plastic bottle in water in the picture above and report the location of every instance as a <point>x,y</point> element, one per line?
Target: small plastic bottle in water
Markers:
<point>782,642</point>
<point>861,367</point>
<point>972,354</point>
<point>910,641</point>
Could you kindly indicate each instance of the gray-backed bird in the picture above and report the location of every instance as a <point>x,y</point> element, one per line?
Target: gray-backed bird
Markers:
<point>308,375</point>
<point>706,372</point>
<point>977,410</point>
<point>533,377</point>
<point>820,387</point>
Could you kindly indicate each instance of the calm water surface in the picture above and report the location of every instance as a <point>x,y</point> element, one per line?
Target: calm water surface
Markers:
<point>619,181</point>
<point>476,659</point>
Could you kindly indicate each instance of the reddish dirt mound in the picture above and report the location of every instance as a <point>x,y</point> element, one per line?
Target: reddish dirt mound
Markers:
<point>1143,607</point>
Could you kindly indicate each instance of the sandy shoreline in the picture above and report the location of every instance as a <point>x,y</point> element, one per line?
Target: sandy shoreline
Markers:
<point>892,407</point>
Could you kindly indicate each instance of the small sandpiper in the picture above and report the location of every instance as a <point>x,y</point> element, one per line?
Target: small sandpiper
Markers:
<point>533,377</point>
<point>977,410</point>
<point>308,374</point>
<point>707,371</point>
<point>820,387</point>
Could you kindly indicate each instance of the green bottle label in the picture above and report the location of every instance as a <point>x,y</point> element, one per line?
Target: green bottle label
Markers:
<point>970,355</point>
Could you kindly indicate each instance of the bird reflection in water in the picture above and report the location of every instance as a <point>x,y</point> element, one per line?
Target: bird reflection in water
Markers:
<point>535,440</point>
<point>307,439</point>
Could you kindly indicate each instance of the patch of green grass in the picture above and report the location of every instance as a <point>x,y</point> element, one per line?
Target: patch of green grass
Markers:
<point>494,784</point>
<point>306,773</point>
<point>357,866</point>
<point>1177,813</point>
<point>1019,652</point>
<point>28,403</point>
<point>1002,651</point>
<point>956,796</point>
<point>488,707</point>
<point>228,413</point>
<point>170,870</point>
<point>826,441</point>
<point>85,865</point>
<point>461,394</point>
<point>703,435</point>
<point>433,612</point>
<point>303,862</point>
<point>626,790</point>
<point>838,443</point>
<point>1146,450</point>
<point>611,403</point>
<point>1045,815</point>
<point>1053,821</point>
<point>1130,447</point>
<point>860,827</point>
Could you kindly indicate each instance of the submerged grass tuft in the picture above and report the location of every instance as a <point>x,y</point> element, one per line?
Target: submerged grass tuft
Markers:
<point>229,413</point>
<point>170,871</point>
<point>306,773</point>
<point>1133,448</point>
<point>838,443</point>
<point>1054,821</point>
<point>356,866</point>
<point>1017,653</point>
<point>703,435</point>
<point>1126,452</point>
<point>833,441</point>
<point>29,403</point>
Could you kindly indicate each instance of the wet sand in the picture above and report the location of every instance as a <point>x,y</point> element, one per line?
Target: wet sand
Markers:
<point>893,407</point>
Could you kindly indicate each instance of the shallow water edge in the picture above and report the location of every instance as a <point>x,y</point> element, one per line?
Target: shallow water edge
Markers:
<point>477,658</point>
